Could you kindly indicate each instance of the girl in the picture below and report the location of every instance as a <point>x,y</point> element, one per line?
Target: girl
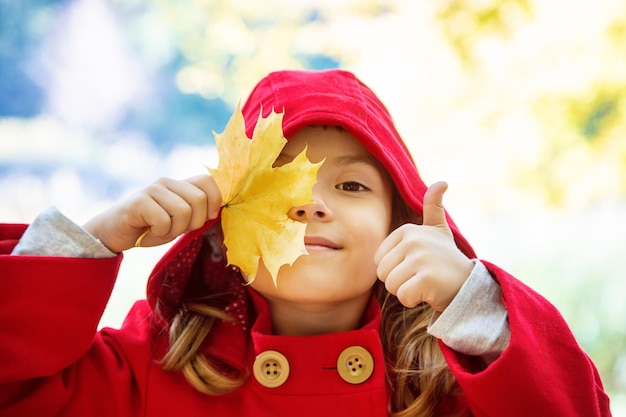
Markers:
<point>391,313</point>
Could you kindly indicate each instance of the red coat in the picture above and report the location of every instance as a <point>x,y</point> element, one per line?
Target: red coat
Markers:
<point>54,363</point>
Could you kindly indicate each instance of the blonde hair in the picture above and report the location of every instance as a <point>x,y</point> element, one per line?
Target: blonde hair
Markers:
<point>188,330</point>
<point>418,373</point>
<point>416,369</point>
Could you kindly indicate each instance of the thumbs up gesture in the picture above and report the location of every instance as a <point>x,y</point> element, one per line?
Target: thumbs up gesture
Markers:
<point>421,263</point>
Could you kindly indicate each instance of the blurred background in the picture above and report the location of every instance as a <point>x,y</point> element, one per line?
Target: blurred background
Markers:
<point>519,104</point>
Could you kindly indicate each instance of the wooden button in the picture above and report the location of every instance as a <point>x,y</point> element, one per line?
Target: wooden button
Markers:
<point>271,368</point>
<point>355,365</point>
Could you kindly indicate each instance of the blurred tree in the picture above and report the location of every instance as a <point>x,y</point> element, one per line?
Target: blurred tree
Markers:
<point>466,22</point>
<point>575,81</point>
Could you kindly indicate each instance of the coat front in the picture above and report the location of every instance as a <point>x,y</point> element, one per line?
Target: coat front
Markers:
<point>54,363</point>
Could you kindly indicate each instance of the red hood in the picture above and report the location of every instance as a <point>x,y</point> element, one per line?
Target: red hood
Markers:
<point>329,97</point>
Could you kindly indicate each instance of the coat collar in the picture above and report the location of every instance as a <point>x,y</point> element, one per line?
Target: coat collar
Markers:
<point>251,332</point>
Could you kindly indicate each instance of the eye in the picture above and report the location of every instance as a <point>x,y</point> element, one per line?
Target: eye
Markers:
<point>351,186</point>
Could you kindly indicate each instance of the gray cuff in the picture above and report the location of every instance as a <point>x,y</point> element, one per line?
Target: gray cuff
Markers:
<point>476,322</point>
<point>53,234</point>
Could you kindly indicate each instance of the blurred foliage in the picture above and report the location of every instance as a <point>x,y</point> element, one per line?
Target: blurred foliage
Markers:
<point>466,21</point>
<point>221,48</point>
<point>217,50</point>
<point>585,147</point>
<point>535,88</point>
<point>583,155</point>
<point>204,56</point>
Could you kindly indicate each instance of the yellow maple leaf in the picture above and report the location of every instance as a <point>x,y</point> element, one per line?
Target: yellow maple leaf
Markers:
<point>256,196</point>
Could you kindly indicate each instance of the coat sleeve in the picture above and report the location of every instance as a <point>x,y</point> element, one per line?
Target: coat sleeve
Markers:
<point>542,373</point>
<point>53,362</point>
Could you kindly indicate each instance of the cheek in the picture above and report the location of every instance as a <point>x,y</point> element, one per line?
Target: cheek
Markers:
<point>370,230</point>
<point>375,224</point>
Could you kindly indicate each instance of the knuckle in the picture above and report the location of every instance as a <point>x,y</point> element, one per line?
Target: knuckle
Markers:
<point>406,296</point>
<point>381,273</point>
<point>150,189</point>
<point>182,209</point>
<point>200,197</point>
<point>159,184</point>
<point>195,224</point>
<point>390,286</point>
<point>162,181</point>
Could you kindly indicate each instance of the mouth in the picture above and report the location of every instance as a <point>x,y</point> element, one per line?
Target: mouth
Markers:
<point>319,244</point>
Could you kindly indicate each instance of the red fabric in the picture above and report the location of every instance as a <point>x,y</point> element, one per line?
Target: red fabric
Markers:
<point>61,367</point>
<point>54,363</point>
<point>543,361</point>
<point>9,236</point>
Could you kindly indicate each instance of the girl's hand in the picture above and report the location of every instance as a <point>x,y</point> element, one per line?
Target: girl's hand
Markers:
<point>165,209</point>
<point>421,263</point>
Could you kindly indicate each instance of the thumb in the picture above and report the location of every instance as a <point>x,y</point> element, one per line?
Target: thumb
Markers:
<point>434,214</point>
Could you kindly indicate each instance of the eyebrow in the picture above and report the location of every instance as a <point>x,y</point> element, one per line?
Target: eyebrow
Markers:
<point>341,160</point>
<point>358,159</point>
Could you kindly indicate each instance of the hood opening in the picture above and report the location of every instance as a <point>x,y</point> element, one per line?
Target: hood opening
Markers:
<point>192,268</point>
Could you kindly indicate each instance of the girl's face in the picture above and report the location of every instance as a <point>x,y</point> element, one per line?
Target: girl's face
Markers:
<point>347,222</point>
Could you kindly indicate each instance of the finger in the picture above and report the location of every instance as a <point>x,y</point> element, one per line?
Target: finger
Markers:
<point>190,210</point>
<point>153,222</point>
<point>168,214</point>
<point>198,202</point>
<point>177,206</point>
<point>434,213</point>
<point>390,242</point>
<point>388,262</point>
<point>410,292</point>
<point>207,184</point>
<point>398,276</point>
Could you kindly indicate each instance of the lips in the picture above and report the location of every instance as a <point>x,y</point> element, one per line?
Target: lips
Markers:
<point>317,243</point>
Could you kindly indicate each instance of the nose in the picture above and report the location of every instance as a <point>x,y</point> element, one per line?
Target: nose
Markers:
<point>316,210</point>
